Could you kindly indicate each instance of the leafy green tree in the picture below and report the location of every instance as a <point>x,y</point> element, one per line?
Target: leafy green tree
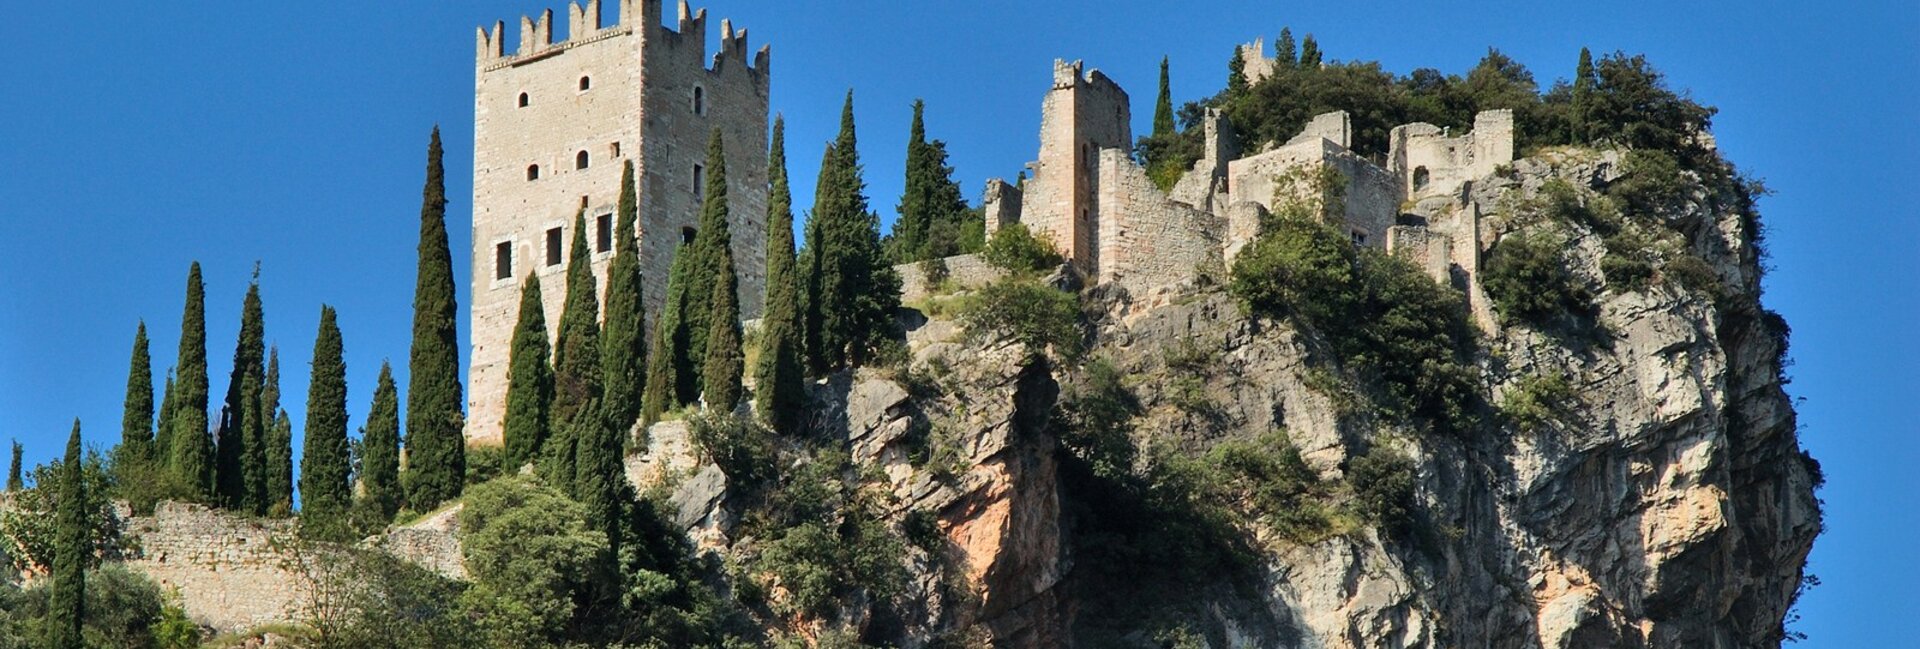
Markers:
<point>1528,282</point>
<point>1163,104</point>
<point>162,455</point>
<point>669,377</point>
<point>530,548</point>
<point>779,377</point>
<point>576,359</point>
<point>255,423</point>
<point>380,444</point>
<point>725,363</point>
<point>249,357</point>
<point>1285,51</point>
<point>13,470</point>
<point>326,487</point>
<point>599,480</point>
<point>529,380</point>
<point>853,291</point>
<point>623,343</point>
<point>436,447</point>
<point>1236,77</point>
<point>136,418</point>
<point>192,451</point>
<point>72,549</point>
<point>1309,53</point>
<point>1631,106</point>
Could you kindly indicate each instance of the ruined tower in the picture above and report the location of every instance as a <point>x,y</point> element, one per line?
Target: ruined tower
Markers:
<point>1084,113</point>
<point>555,122</point>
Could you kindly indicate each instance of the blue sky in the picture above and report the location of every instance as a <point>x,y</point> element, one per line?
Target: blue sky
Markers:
<point>138,137</point>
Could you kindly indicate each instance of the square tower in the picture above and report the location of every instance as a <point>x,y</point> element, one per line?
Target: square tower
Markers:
<point>1084,113</point>
<point>554,123</point>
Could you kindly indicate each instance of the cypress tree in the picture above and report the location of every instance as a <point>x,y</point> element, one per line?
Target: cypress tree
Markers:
<point>325,470</point>
<point>436,448</point>
<point>136,418</point>
<point>1309,53</point>
<point>1284,49</point>
<point>254,422</point>
<point>280,465</point>
<point>1163,105</point>
<point>624,344</point>
<point>724,362</point>
<point>249,355</point>
<point>1236,81</point>
<point>161,454</point>
<point>916,202</point>
<point>779,381</point>
<point>854,291</point>
<point>13,471</point>
<point>67,608</point>
<point>192,450</point>
<point>667,382</point>
<point>529,380</point>
<point>380,450</point>
<point>599,479</point>
<point>576,358</point>
<point>1583,82</point>
<point>703,263</point>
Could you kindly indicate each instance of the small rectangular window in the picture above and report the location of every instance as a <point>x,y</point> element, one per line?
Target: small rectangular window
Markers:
<point>1359,238</point>
<point>553,247</point>
<point>503,260</point>
<point>615,150</point>
<point>603,242</point>
<point>699,182</point>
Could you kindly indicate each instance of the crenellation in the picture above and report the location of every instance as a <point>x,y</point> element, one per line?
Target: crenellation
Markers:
<point>582,21</point>
<point>536,35</point>
<point>490,46</point>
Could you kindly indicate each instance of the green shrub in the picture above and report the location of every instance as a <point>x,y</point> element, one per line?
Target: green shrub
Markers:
<point>1528,281</point>
<point>1273,485</point>
<point>935,272</point>
<point>531,553</point>
<point>1028,312</point>
<point>1694,275</point>
<point>1099,411</point>
<point>486,462</point>
<point>1298,267</point>
<point>1383,486</point>
<point>124,610</point>
<point>822,565</point>
<point>1624,269</point>
<point>1537,400</point>
<point>1653,185</point>
<point>739,445</point>
<point>1017,250</point>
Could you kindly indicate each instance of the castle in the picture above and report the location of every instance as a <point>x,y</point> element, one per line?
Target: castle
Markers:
<point>1097,204</point>
<point>554,124</point>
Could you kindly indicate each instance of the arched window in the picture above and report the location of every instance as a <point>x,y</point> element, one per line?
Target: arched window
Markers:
<point>585,83</point>
<point>533,172</point>
<point>699,100</point>
<point>1420,177</point>
<point>523,100</point>
<point>580,160</point>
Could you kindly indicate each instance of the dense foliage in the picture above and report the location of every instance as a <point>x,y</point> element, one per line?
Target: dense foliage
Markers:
<point>326,473</point>
<point>190,454</point>
<point>851,290</point>
<point>779,375</point>
<point>623,337</point>
<point>435,444</point>
<point>933,214</point>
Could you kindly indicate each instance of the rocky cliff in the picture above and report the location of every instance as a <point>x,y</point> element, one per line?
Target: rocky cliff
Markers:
<point>1653,494</point>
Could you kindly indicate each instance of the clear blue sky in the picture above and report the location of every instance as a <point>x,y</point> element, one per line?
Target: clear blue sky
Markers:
<point>136,137</point>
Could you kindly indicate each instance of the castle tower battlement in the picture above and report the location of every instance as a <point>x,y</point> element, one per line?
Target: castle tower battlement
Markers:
<point>554,124</point>
<point>1084,113</point>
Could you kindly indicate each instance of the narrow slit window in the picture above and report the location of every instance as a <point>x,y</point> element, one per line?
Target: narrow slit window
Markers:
<point>586,83</point>
<point>503,260</point>
<point>553,247</point>
<point>699,100</point>
<point>699,182</point>
<point>533,172</point>
<point>580,160</point>
<point>603,240</point>
<point>614,149</point>
<point>523,100</point>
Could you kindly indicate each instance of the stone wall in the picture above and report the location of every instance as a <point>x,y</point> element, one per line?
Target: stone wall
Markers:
<point>1000,204</point>
<point>1254,64</point>
<point>1372,196</point>
<point>1148,240</point>
<point>1428,161</point>
<point>228,570</point>
<point>634,91</point>
<point>1083,113</point>
<point>964,271</point>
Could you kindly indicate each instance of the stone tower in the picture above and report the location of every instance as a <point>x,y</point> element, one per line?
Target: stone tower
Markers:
<point>1084,113</point>
<point>553,125</point>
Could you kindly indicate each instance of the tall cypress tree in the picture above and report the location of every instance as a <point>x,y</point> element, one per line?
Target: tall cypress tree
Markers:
<point>855,290</point>
<point>810,271</point>
<point>576,358</point>
<point>725,362</point>
<point>14,482</point>
<point>1583,81</point>
<point>1163,105</point>
<point>703,263</point>
<point>325,469</point>
<point>67,608</point>
<point>668,382</point>
<point>624,345</point>
<point>380,450</point>
<point>436,447</point>
<point>529,380</point>
<point>1309,54</point>
<point>599,480</point>
<point>161,454</point>
<point>779,377</point>
<point>280,465</point>
<point>254,424</point>
<point>916,202</point>
<point>1236,82</point>
<point>249,356</point>
<point>136,417</point>
<point>192,450</point>
<point>1284,49</point>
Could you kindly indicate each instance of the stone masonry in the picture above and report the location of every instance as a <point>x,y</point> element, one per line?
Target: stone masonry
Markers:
<point>231,572</point>
<point>554,122</point>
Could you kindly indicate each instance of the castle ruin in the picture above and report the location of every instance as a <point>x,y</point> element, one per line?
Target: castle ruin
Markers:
<point>555,122</point>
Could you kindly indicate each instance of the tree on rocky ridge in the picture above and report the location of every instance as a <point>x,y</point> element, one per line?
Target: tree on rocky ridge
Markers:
<point>669,373</point>
<point>249,358</point>
<point>380,452</point>
<point>14,482</point>
<point>1309,53</point>
<point>853,291</point>
<point>779,377</point>
<point>436,445</point>
<point>72,545</point>
<point>623,343</point>
<point>1163,104</point>
<point>1284,51</point>
<point>136,418</point>
<point>576,358</point>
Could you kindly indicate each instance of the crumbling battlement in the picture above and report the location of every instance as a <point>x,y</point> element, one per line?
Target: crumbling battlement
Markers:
<point>1254,64</point>
<point>585,26</point>
<point>1371,195</point>
<point>1430,162</point>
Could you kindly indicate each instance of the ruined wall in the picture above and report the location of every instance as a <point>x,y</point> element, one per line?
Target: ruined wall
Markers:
<point>1372,195</point>
<point>1147,240</point>
<point>1204,185</point>
<point>1254,64</point>
<point>229,570</point>
<point>1082,114</point>
<point>611,94</point>
<point>1428,161</point>
<point>964,271</point>
<point>1000,204</point>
